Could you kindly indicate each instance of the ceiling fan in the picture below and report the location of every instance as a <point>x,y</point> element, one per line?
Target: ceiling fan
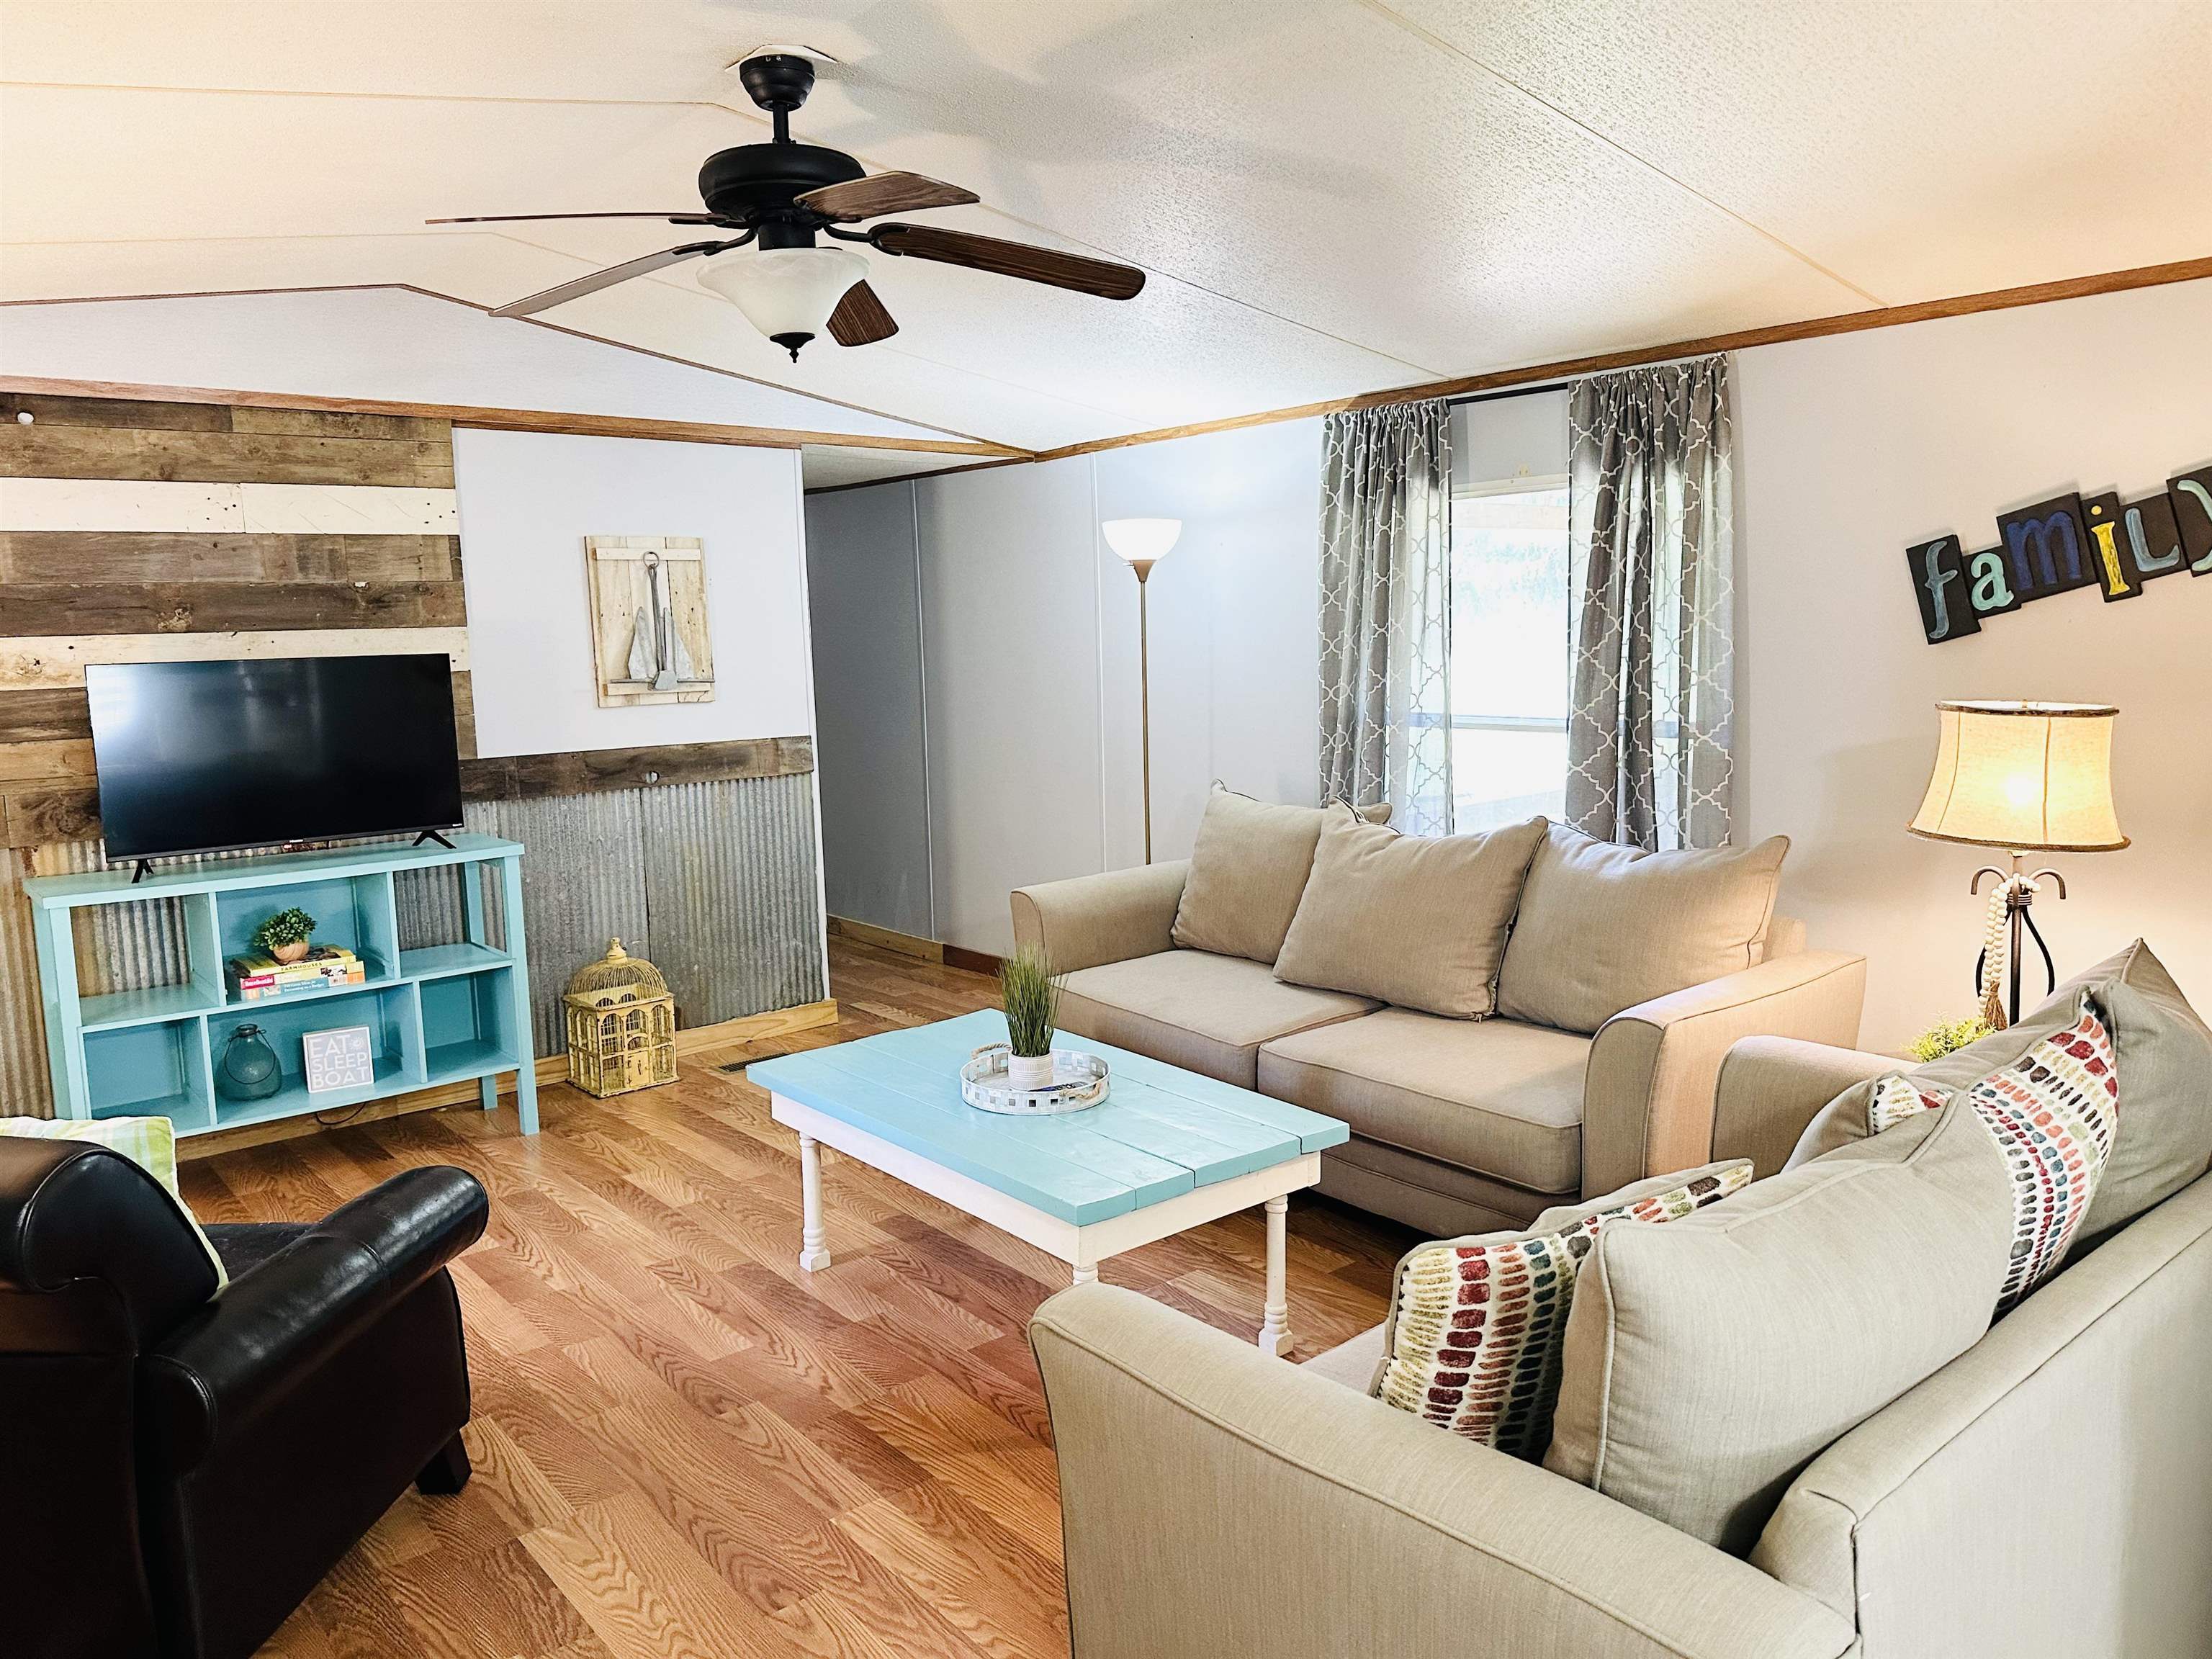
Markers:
<point>779,195</point>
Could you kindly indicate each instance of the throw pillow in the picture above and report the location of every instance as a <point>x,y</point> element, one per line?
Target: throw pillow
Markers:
<point>1603,927</point>
<point>1248,867</point>
<point>1416,920</point>
<point>2160,1047</point>
<point>1473,1338</point>
<point>1708,1361</point>
<point>149,1142</point>
<point>2052,1113</point>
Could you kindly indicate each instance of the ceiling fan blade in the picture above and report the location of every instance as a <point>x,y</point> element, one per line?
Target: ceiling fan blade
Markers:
<point>1032,264</point>
<point>608,278</point>
<point>519,218</point>
<point>884,192</point>
<point>860,319</point>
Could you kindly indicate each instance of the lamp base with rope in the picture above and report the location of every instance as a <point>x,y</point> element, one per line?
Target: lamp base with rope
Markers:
<point>2009,916</point>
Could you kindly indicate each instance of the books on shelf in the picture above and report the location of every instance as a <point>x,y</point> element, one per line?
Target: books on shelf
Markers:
<point>253,977</point>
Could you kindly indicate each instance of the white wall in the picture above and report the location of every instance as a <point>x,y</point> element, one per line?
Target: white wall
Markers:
<point>1850,450</point>
<point>527,500</point>
<point>1029,633</point>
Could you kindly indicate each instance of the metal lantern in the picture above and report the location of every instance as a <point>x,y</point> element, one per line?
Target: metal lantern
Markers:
<point>622,1026</point>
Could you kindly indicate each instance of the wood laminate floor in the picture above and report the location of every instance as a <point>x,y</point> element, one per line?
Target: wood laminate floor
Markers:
<point>687,1448</point>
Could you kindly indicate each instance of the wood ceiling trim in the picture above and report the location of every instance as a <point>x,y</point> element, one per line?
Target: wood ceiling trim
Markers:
<point>1853,322</point>
<point>1850,322</point>
<point>510,420</point>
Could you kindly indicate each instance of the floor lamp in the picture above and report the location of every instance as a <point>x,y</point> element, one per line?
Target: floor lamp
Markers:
<point>2030,777</point>
<point>1143,542</point>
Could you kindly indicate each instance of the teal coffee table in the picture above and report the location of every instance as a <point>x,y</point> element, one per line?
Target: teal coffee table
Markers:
<point>1171,1150</point>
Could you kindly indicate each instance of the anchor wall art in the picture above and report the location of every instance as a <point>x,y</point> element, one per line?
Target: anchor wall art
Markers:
<point>649,638</point>
<point>2065,543</point>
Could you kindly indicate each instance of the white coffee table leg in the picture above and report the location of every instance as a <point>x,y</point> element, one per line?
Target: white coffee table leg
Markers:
<point>812,1252</point>
<point>1086,1274</point>
<point>1275,1313</point>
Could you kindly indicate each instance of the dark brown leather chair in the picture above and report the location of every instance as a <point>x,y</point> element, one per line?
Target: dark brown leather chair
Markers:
<point>178,1472</point>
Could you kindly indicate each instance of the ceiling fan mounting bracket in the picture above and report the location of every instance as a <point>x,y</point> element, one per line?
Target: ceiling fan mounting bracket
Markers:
<point>779,82</point>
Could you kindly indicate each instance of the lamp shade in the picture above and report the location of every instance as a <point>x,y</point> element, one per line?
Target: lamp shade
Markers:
<point>1142,541</point>
<point>787,293</point>
<point>2035,777</point>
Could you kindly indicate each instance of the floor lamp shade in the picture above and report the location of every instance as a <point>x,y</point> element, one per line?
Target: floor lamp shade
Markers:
<point>2034,777</point>
<point>1142,542</point>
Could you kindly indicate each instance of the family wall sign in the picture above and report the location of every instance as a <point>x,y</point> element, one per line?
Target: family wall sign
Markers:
<point>2067,542</point>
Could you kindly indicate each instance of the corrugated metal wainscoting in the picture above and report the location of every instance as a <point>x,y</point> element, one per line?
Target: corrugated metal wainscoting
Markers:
<point>715,882</point>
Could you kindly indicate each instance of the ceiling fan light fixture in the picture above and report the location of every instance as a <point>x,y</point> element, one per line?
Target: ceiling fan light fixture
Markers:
<point>787,293</point>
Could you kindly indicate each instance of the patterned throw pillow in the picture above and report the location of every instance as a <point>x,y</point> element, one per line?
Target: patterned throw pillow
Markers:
<point>1476,1323</point>
<point>149,1142</point>
<point>1895,1100</point>
<point>2052,1113</point>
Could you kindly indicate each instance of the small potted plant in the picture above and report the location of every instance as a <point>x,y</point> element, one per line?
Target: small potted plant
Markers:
<point>286,935</point>
<point>1032,996</point>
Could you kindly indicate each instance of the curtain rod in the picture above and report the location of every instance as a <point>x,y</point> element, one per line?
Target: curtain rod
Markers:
<point>1510,392</point>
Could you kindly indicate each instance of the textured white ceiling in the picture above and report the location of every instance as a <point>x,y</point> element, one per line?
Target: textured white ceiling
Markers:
<point>1330,196</point>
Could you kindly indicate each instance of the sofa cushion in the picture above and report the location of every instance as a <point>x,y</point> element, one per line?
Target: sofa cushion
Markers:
<point>2163,1053</point>
<point>1248,867</point>
<point>1708,1361</point>
<point>1603,927</point>
<point>1195,1009</point>
<point>1473,1342</point>
<point>1415,920</point>
<point>1493,1096</point>
<point>2053,1113</point>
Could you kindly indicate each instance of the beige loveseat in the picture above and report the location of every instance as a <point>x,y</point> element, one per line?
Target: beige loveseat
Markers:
<point>1458,1126</point>
<point>2045,1495</point>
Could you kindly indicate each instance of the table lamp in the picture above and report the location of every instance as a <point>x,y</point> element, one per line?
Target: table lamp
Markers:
<point>1144,543</point>
<point>2030,777</point>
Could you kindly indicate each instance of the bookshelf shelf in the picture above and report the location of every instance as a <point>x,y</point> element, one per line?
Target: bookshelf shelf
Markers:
<point>437,1013</point>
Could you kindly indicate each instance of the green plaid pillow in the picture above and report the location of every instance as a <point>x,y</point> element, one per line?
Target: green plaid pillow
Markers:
<point>149,1142</point>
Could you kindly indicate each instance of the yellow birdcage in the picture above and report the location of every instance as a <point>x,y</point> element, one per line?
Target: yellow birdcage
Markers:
<point>622,1026</point>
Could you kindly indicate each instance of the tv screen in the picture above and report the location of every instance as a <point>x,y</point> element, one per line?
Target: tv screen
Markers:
<point>201,756</point>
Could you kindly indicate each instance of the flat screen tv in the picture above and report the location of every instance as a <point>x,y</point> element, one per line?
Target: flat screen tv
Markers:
<point>205,756</point>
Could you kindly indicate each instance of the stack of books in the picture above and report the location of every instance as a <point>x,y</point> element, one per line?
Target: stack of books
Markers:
<point>250,978</point>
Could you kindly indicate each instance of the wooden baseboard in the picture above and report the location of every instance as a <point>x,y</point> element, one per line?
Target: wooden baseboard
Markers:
<point>976,962</point>
<point>886,939</point>
<point>756,1028</point>
<point>550,1068</point>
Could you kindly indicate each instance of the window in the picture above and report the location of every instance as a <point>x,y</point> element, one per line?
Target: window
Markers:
<point>1511,679</point>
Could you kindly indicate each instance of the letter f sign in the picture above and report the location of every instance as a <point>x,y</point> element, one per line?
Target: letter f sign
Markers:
<point>1935,570</point>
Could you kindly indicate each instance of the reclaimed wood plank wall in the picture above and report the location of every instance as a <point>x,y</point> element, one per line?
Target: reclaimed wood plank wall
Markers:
<point>142,531</point>
<point>137,531</point>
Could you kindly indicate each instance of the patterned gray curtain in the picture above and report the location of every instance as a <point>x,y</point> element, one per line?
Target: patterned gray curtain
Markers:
<point>1386,612</point>
<point>1651,554</point>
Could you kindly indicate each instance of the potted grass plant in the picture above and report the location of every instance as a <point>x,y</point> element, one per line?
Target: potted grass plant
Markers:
<point>1031,998</point>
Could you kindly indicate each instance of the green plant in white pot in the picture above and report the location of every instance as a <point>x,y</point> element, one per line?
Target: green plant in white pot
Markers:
<point>1031,997</point>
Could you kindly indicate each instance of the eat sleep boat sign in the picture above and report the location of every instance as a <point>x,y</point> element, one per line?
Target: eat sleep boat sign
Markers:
<point>2065,543</point>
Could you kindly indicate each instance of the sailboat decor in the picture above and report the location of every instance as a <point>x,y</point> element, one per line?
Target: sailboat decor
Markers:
<point>649,639</point>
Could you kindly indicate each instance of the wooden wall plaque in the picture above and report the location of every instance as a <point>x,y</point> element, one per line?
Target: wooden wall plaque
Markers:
<point>650,642</point>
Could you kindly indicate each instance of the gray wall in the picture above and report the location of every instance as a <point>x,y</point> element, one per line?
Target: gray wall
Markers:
<point>864,595</point>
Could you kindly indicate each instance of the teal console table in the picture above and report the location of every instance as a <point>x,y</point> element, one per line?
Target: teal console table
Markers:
<point>436,1014</point>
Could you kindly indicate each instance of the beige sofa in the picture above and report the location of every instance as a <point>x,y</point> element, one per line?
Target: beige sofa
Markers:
<point>1458,1126</point>
<point>2046,1495</point>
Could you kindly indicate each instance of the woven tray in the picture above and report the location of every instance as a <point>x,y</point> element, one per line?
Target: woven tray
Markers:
<point>1079,1082</point>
